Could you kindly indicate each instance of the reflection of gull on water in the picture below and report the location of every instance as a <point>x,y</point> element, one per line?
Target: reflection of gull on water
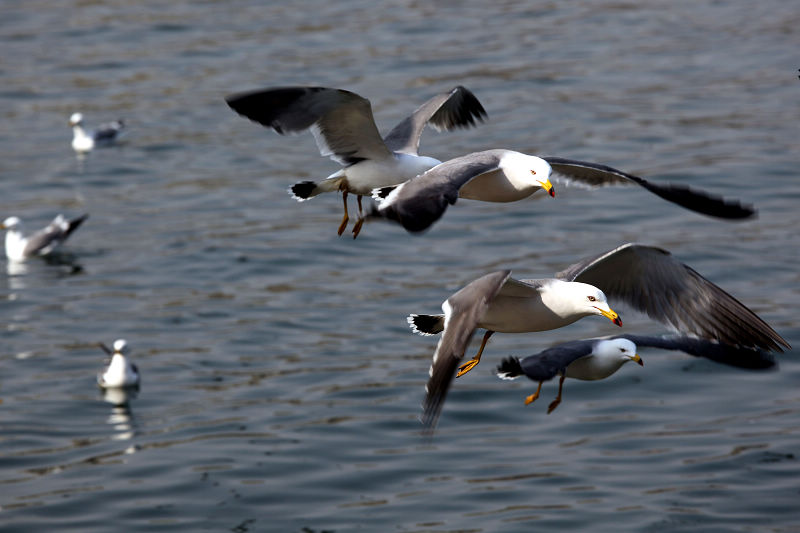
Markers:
<point>121,417</point>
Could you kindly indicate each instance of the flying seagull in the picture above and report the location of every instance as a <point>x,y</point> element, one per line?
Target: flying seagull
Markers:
<point>344,128</point>
<point>508,176</point>
<point>593,359</point>
<point>44,241</point>
<point>121,372</point>
<point>585,360</point>
<point>85,141</point>
<point>647,278</point>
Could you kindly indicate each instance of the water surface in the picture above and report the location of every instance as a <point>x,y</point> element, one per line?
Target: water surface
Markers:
<point>281,385</point>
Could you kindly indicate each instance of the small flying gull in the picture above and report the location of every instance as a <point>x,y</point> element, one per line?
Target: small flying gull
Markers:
<point>44,241</point>
<point>646,278</point>
<point>593,359</point>
<point>121,372</point>
<point>507,176</point>
<point>85,141</point>
<point>344,128</point>
<point>585,360</point>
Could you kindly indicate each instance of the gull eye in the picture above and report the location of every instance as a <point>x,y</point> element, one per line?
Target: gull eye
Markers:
<point>592,298</point>
<point>623,350</point>
<point>533,172</point>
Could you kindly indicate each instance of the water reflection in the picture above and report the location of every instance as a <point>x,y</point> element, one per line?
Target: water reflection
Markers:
<point>121,418</point>
<point>17,271</point>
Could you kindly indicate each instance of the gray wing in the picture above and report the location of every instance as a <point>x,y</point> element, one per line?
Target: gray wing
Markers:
<point>740,357</point>
<point>547,364</point>
<point>651,280</point>
<point>51,236</point>
<point>463,311</point>
<point>109,131</point>
<point>341,121</point>
<point>421,201</point>
<point>596,175</point>
<point>458,108</point>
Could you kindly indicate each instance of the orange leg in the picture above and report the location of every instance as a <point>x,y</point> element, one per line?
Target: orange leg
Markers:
<point>557,401</point>
<point>532,398</point>
<point>360,221</point>
<point>346,216</point>
<point>469,365</point>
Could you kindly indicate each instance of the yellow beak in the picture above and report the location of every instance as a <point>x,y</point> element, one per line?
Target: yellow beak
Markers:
<point>611,315</point>
<point>637,359</point>
<point>548,187</point>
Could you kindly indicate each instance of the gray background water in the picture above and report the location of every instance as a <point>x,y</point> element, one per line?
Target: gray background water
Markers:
<point>281,385</point>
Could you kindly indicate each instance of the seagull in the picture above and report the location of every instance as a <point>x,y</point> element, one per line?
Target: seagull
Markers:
<point>584,360</point>
<point>507,176</point>
<point>344,128</point>
<point>647,278</point>
<point>83,141</point>
<point>120,371</point>
<point>44,241</point>
<point>593,359</point>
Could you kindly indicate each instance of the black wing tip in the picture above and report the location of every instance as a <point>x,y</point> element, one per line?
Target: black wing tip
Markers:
<point>464,115</point>
<point>702,202</point>
<point>75,223</point>
<point>261,105</point>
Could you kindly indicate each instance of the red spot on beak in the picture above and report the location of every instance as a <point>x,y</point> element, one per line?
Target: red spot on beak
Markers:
<point>618,321</point>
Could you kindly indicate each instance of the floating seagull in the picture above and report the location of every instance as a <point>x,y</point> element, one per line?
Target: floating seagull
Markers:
<point>344,128</point>
<point>507,176</point>
<point>44,241</point>
<point>120,371</point>
<point>585,360</point>
<point>593,359</point>
<point>646,278</point>
<point>83,141</point>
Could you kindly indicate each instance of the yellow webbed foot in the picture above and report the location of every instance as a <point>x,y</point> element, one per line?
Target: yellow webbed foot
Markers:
<point>343,225</point>
<point>357,227</point>
<point>466,367</point>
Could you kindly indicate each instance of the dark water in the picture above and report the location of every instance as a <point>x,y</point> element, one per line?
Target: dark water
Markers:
<point>281,385</point>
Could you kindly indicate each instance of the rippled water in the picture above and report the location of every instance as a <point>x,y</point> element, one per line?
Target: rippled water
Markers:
<point>281,385</point>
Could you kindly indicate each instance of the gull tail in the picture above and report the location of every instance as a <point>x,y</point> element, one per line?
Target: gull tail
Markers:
<point>509,368</point>
<point>426,324</point>
<point>304,190</point>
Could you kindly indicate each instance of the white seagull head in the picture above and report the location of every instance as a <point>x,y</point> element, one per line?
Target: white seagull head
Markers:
<point>575,299</point>
<point>75,119</point>
<point>121,346</point>
<point>529,170</point>
<point>620,350</point>
<point>11,223</point>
